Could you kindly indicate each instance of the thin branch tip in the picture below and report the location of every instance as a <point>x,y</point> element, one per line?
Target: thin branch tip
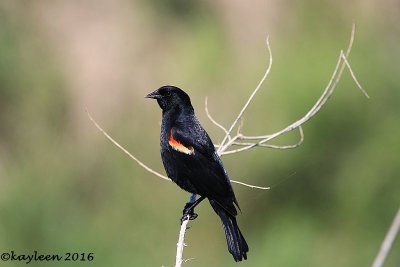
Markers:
<point>353,76</point>
<point>249,100</point>
<point>251,186</point>
<point>213,120</point>
<point>147,168</point>
<point>267,39</point>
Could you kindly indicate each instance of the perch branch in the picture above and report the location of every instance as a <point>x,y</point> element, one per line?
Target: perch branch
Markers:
<point>181,243</point>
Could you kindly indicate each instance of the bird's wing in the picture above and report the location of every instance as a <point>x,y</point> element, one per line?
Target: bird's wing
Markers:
<point>207,173</point>
<point>197,139</point>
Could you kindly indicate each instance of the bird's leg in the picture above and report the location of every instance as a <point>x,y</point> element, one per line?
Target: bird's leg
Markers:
<point>188,210</point>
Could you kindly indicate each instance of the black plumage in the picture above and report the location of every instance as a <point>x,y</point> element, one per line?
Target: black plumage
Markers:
<point>190,160</point>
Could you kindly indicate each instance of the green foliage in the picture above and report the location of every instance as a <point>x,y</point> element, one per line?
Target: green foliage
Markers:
<point>64,188</point>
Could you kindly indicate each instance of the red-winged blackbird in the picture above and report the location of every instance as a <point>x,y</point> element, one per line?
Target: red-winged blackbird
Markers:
<point>190,160</point>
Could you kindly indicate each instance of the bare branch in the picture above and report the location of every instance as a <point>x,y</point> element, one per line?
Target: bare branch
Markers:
<point>241,123</point>
<point>251,186</point>
<point>388,241</point>
<point>273,146</point>
<point>126,151</point>
<point>332,84</point>
<point>351,41</point>
<point>353,76</point>
<point>265,138</point>
<point>214,121</point>
<point>223,146</point>
<point>181,243</point>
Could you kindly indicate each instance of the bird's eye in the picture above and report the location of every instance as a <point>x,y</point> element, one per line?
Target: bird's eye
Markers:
<point>168,93</point>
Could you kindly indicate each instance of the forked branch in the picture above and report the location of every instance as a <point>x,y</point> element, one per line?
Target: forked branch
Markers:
<point>260,141</point>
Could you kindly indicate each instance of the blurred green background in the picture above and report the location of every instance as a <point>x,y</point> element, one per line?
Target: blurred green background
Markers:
<point>65,188</point>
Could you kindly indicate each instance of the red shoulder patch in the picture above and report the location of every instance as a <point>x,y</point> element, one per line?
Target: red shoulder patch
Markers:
<point>178,146</point>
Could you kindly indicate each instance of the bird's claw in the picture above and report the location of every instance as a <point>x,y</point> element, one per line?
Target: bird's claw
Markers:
<point>191,216</point>
<point>188,213</point>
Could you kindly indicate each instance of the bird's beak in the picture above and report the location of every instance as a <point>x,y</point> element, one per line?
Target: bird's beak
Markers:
<point>154,95</point>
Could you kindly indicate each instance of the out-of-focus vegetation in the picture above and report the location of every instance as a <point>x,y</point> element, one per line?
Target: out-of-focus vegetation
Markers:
<point>65,188</point>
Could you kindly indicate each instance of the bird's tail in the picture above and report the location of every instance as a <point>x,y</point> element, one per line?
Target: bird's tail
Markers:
<point>237,245</point>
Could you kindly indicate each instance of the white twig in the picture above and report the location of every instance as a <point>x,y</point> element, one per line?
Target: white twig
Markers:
<point>181,243</point>
<point>262,139</point>
<point>272,146</point>
<point>126,151</point>
<point>354,76</point>
<point>223,146</point>
<point>388,241</point>
<point>251,186</point>
<point>240,126</point>
<point>214,121</point>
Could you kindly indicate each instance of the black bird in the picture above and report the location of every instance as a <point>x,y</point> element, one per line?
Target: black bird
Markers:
<point>190,160</point>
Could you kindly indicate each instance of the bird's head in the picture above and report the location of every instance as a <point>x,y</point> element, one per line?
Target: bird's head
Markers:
<point>170,97</point>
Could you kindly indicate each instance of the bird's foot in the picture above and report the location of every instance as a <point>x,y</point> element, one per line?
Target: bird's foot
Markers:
<point>188,212</point>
